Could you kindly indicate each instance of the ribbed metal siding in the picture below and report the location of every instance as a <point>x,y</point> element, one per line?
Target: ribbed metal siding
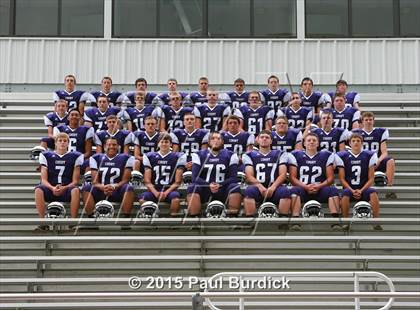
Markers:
<point>373,61</point>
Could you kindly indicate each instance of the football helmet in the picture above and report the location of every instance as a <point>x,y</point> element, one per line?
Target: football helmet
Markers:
<point>313,127</point>
<point>267,209</point>
<point>36,150</point>
<point>104,209</point>
<point>216,209</point>
<point>241,177</point>
<point>187,177</point>
<point>380,179</point>
<point>87,177</point>
<point>55,210</point>
<point>149,209</point>
<point>136,178</point>
<point>312,209</point>
<point>362,209</point>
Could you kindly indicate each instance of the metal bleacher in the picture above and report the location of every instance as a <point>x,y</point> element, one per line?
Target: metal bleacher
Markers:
<point>101,257</point>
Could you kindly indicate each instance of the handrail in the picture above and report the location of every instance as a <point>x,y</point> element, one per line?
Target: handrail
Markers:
<point>356,294</point>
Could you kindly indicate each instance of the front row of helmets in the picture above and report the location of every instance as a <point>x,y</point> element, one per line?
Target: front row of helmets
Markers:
<point>312,208</point>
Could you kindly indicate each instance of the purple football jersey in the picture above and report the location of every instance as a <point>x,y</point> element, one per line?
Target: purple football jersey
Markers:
<point>254,120</point>
<point>114,97</point>
<point>311,169</point>
<point>74,98</point>
<point>239,142</point>
<point>98,118</point>
<point>330,141</point>
<point>145,142</point>
<point>237,100</point>
<point>266,166</point>
<point>174,119</point>
<point>131,97</point>
<point>351,98</point>
<point>137,117</point>
<point>286,143</point>
<point>297,119</point>
<point>123,138</point>
<point>60,167</point>
<point>164,98</point>
<point>53,119</point>
<point>212,118</point>
<point>78,136</point>
<point>372,140</point>
<point>356,167</point>
<point>274,99</point>
<point>111,170</point>
<point>190,143</point>
<point>345,118</point>
<point>164,166</point>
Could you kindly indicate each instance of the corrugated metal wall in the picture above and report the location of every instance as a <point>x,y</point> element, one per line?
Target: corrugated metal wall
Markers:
<point>370,61</point>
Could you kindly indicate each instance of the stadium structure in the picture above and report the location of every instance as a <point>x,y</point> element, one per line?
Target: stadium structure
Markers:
<point>172,263</point>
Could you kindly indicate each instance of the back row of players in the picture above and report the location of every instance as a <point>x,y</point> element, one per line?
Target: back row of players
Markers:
<point>189,126</point>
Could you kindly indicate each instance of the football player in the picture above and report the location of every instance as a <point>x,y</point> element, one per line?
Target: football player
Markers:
<point>115,98</point>
<point>299,117</point>
<point>212,115</point>
<point>330,139</point>
<point>352,99</point>
<point>141,85</point>
<point>236,140</point>
<point>163,174</point>
<point>312,176</point>
<point>136,115</point>
<point>284,138</point>
<point>214,176</point>
<point>345,117</point>
<point>199,97</point>
<point>54,119</point>
<point>172,88</point>
<point>60,173</point>
<point>239,96</point>
<point>95,117</point>
<point>145,141</point>
<point>356,173</point>
<point>123,136</point>
<point>76,99</point>
<point>265,172</point>
<point>172,116</point>
<point>111,173</point>
<point>189,140</point>
<point>375,139</point>
<point>255,116</point>
<point>273,96</point>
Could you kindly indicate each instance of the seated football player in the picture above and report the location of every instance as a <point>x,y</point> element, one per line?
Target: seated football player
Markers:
<point>284,138</point>
<point>172,88</point>
<point>172,116</point>
<point>236,140</point>
<point>163,175</point>
<point>76,99</point>
<point>265,172</point>
<point>53,119</point>
<point>111,173</point>
<point>81,137</point>
<point>189,140</point>
<point>352,99</point>
<point>136,115</point>
<point>330,139</point>
<point>375,140</point>
<point>356,173</point>
<point>95,117</point>
<point>199,97</point>
<point>299,117</point>
<point>141,85</point>
<point>123,136</point>
<point>60,173</point>
<point>145,141</point>
<point>115,98</point>
<point>273,95</point>
<point>312,176</point>
<point>255,116</point>
<point>214,177</point>
<point>239,96</point>
<point>344,117</point>
<point>212,115</point>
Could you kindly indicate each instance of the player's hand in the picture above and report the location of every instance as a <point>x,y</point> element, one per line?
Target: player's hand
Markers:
<point>188,165</point>
<point>315,188</point>
<point>163,195</point>
<point>156,193</point>
<point>57,190</point>
<point>270,191</point>
<point>262,189</point>
<point>357,194</point>
<point>214,187</point>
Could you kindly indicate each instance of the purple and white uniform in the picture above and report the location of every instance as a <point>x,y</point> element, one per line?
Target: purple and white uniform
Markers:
<point>130,97</point>
<point>98,118</point>
<point>313,170</point>
<point>345,118</point>
<point>254,120</point>
<point>238,143</point>
<point>137,116</point>
<point>237,100</point>
<point>330,141</point>
<point>297,119</point>
<point>78,137</point>
<point>174,118</point>
<point>351,98</point>
<point>190,143</point>
<point>60,171</point>
<point>74,98</point>
<point>275,100</point>
<point>123,138</point>
<point>145,142</point>
<point>164,98</point>
<point>286,143</point>
<point>52,119</point>
<point>356,168</point>
<point>114,97</point>
<point>212,118</point>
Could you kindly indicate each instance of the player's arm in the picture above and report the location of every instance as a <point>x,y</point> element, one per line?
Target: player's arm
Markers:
<point>330,176</point>
<point>82,109</point>
<point>355,120</point>
<point>129,125</point>
<point>196,170</point>
<point>148,181</point>
<point>232,175</point>
<point>371,178</point>
<point>50,130</point>
<point>294,179</point>
<point>342,177</point>
<point>182,161</point>
<point>127,141</point>
<point>250,178</point>
<point>88,121</point>
<point>162,123</point>
<point>197,114</point>
<point>298,142</point>
<point>281,178</point>
<point>44,178</point>
<point>384,151</point>
<point>88,148</point>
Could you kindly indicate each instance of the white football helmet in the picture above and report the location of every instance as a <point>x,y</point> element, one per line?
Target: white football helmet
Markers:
<point>216,209</point>
<point>55,210</point>
<point>36,150</point>
<point>380,179</point>
<point>136,178</point>
<point>104,209</point>
<point>187,177</point>
<point>149,209</point>
<point>87,177</point>
<point>312,209</point>
<point>267,209</point>
<point>362,209</point>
